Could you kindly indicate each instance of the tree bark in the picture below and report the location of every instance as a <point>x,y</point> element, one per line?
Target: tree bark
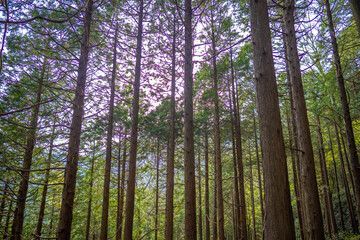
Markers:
<point>19,213</point>
<point>354,159</point>
<point>189,159</point>
<point>313,223</point>
<point>107,174</point>
<point>169,212</point>
<point>130,194</point>
<point>278,222</point>
<point>67,204</point>
<point>157,188</point>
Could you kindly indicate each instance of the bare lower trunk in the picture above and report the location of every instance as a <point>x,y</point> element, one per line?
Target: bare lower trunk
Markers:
<point>199,192</point>
<point>189,158</point>
<point>122,193</point>
<point>278,222</point>
<point>207,197</point>
<point>252,197</point>
<point>157,189</point>
<point>88,218</point>
<point>67,204</point>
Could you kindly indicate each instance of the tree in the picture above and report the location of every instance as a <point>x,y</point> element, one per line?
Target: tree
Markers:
<point>66,213</point>
<point>278,222</point>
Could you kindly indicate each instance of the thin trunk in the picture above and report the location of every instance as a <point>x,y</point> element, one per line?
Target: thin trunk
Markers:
<point>169,212</point>
<point>67,204</point>
<point>345,182</point>
<point>252,196</point>
<point>157,188</point>
<point>118,222</point>
<point>19,213</point>
<point>354,159</point>
<point>207,198</point>
<point>189,158</point>
<point>3,202</point>
<point>347,161</point>
<point>295,175</point>
<point>258,170</point>
<point>237,229</point>
<point>45,189</point>
<point>278,222</point>
<point>52,216</point>
<point>7,222</point>
<point>88,218</point>
<point>337,184</point>
<point>313,223</point>
<point>214,223</point>
<point>218,165</point>
<point>200,210</point>
<point>107,174</point>
<point>130,194</point>
<point>329,209</point>
<point>122,193</point>
<point>240,166</point>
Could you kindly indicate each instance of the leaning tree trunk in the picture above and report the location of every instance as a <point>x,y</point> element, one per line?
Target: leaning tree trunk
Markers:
<point>67,204</point>
<point>313,223</point>
<point>130,194</point>
<point>355,167</point>
<point>278,222</point>
<point>106,192</point>
<point>19,213</point>
<point>189,158</point>
<point>169,212</point>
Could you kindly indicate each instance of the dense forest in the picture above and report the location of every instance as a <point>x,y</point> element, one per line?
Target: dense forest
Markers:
<point>180,119</point>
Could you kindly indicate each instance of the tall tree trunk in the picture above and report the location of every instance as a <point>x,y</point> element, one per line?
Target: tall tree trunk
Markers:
<point>157,188</point>
<point>130,194</point>
<point>118,182</point>
<point>169,212</point>
<point>252,196</point>
<point>218,165</point>
<point>207,197</point>
<point>45,189</point>
<point>7,222</point>
<point>345,182</point>
<point>214,222</point>
<point>122,193</point>
<point>295,174</point>
<point>337,184</point>
<point>278,223</point>
<point>200,210</point>
<point>355,7</point>
<point>313,223</point>
<point>240,165</point>
<point>88,218</point>
<point>258,170</point>
<point>107,174</point>
<point>237,229</point>
<point>354,159</point>
<point>3,202</point>
<point>329,209</point>
<point>67,204</point>
<point>347,161</point>
<point>189,158</point>
<point>19,213</point>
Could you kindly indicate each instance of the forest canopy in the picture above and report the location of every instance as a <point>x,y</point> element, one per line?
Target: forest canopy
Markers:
<point>191,119</point>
